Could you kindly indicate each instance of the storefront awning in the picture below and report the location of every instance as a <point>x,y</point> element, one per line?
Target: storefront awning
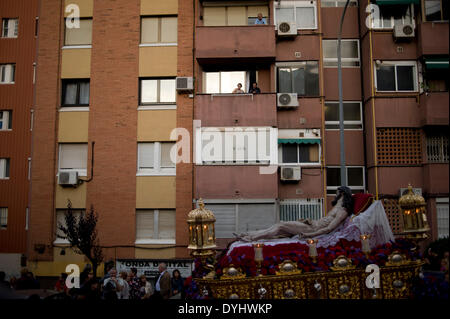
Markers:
<point>436,63</point>
<point>392,2</point>
<point>299,140</point>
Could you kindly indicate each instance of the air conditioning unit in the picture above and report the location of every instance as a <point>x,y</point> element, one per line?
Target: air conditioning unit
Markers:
<point>68,178</point>
<point>404,31</point>
<point>184,84</point>
<point>290,174</point>
<point>416,191</point>
<point>287,100</point>
<point>287,29</point>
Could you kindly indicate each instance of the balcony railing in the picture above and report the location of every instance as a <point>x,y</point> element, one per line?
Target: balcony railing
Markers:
<point>293,210</point>
<point>437,149</point>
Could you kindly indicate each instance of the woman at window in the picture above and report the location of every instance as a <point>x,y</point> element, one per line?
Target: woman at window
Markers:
<point>239,89</point>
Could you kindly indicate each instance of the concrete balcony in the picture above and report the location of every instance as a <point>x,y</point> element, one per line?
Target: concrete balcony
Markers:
<point>245,43</point>
<point>433,38</point>
<point>234,182</point>
<point>236,109</point>
<point>434,108</point>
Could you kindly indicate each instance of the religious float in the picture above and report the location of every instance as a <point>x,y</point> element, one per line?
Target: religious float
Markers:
<point>358,260</point>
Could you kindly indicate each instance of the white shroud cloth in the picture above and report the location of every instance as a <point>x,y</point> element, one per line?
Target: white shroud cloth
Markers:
<point>372,221</point>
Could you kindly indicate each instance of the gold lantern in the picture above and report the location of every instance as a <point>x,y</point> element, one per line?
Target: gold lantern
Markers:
<point>415,224</point>
<point>202,237</point>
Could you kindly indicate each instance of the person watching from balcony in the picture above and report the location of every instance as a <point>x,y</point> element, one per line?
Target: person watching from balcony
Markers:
<point>239,89</point>
<point>254,89</point>
<point>260,19</point>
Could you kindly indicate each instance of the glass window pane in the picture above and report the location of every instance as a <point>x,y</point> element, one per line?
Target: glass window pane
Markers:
<point>299,80</point>
<point>169,29</point>
<point>355,176</point>
<point>312,78</point>
<point>73,156</point>
<point>211,82</point>
<point>349,49</point>
<point>149,91</point>
<point>165,155</point>
<point>329,49</point>
<point>70,97</point>
<point>352,112</point>
<point>433,10</point>
<point>405,78</point>
<point>149,30</point>
<point>166,224</point>
<point>303,153</point>
<point>285,15</point>
<point>305,17</point>
<point>145,224</point>
<point>84,93</point>
<point>167,91</point>
<point>229,81</point>
<point>331,112</point>
<point>81,35</point>
<point>146,155</point>
<point>289,153</point>
<point>333,176</point>
<point>284,80</point>
<point>386,78</point>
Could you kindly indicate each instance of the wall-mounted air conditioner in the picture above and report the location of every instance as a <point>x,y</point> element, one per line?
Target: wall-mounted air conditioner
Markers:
<point>287,100</point>
<point>287,29</point>
<point>404,31</point>
<point>184,84</point>
<point>68,178</point>
<point>290,174</point>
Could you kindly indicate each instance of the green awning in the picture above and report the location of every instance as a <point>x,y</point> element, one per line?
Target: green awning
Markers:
<point>299,140</point>
<point>392,2</point>
<point>436,63</point>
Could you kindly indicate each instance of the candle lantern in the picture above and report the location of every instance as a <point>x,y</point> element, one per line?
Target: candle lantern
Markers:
<point>413,209</point>
<point>312,249</point>
<point>258,248</point>
<point>202,238</point>
<point>365,245</point>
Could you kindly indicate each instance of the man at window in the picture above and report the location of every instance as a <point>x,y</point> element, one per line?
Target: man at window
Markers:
<point>260,19</point>
<point>254,89</point>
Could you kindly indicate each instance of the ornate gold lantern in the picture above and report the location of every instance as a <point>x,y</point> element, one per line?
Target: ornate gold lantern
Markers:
<point>202,237</point>
<point>413,209</point>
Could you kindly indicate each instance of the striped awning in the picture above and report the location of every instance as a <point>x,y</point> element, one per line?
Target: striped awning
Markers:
<point>392,2</point>
<point>436,63</point>
<point>299,140</point>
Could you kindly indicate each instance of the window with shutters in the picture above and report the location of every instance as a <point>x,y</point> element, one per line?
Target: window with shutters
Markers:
<point>81,36</point>
<point>3,218</point>
<point>233,15</point>
<point>61,221</point>
<point>10,28</point>
<point>4,168</point>
<point>155,226</point>
<point>399,146</point>
<point>154,159</point>
<point>7,73</point>
<point>159,31</point>
<point>442,217</point>
<point>5,120</point>
<point>355,179</point>
<point>73,157</point>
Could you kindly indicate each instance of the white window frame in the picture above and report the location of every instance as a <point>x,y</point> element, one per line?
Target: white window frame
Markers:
<point>300,164</point>
<point>157,44</point>
<point>440,227</point>
<point>294,5</point>
<point>352,187</point>
<point>157,170</point>
<point>395,64</point>
<point>245,84</point>
<point>379,26</point>
<point>156,105</point>
<point>338,3</point>
<point>3,217</point>
<point>6,115</point>
<point>273,144</point>
<point>358,59</point>
<point>13,28</point>
<point>81,172</point>
<point>298,64</point>
<point>6,70</point>
<point>155,229</point>
<point>346,122</point>
<point>3,163</point>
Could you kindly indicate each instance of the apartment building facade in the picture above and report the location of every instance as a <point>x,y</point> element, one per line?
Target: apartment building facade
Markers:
<point>113,96</point>
<point>17,62</point>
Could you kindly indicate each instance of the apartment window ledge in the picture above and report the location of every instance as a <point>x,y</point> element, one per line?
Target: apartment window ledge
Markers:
<point>4,178</point>
<point>74,109</point>
<point>155,241</point>
<point>301,165</point>
<point>87,46</point>
<point>61,242</point>
<point>171,44</point>
<point>6,130</point>
<point>157,107</point>
<point>6,83</point>
<point>156,174</point>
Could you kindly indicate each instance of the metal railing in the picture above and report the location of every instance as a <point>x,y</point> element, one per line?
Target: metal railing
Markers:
<point>292,210</point>
<point>437,149</point>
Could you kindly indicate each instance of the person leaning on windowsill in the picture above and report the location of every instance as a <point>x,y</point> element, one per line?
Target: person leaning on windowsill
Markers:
<point>260,20</point>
